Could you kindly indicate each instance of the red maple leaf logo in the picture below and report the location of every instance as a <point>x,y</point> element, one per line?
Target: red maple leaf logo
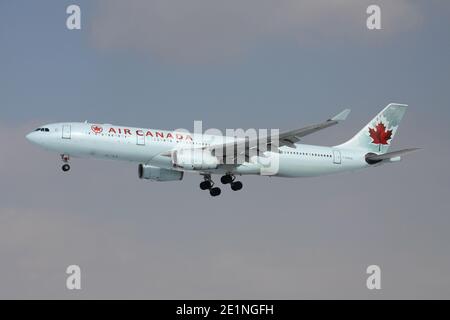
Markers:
<point>380,135</point>
<point>96,129</point>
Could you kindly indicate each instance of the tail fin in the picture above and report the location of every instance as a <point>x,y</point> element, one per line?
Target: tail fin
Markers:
<point>378,134</point>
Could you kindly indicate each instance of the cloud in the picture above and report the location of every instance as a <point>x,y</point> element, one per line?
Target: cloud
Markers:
<point>198,31</point>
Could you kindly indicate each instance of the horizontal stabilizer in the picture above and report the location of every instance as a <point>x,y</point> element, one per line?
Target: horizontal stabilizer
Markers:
<point>372,158</point>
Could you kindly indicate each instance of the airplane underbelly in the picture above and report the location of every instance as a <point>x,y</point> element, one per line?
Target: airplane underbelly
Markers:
<point>294,167</point>
<point>109,150</point>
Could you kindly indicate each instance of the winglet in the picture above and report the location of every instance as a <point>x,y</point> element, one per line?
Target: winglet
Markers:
<point>341,116</point>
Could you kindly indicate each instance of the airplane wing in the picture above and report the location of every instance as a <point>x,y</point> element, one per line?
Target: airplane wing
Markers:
<point>288,138</point>
<point>373,158</point>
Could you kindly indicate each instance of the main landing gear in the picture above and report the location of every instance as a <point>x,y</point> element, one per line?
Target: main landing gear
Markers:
<point>208,184</point>
<point>229,179</point>
<point>65,158</point>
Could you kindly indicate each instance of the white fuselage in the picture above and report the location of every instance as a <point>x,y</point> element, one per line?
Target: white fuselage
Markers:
<point>146,146</point>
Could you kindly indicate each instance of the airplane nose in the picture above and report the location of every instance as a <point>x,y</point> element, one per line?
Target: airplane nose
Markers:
<point>31,137</point>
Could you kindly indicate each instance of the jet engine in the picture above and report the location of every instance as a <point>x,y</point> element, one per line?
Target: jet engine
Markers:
<point>158,174</point>
<point>194,159</point>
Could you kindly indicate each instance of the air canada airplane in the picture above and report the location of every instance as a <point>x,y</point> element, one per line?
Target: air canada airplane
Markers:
<point>165,155</point>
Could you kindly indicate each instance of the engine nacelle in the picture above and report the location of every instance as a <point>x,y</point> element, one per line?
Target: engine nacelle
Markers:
<point>194,159</point>
<point>158,174</point>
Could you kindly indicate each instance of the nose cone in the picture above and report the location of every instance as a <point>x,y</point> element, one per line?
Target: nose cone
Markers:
<point>31,137</point>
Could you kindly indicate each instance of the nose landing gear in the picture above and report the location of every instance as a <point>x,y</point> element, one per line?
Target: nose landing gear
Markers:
<point>65,158</point>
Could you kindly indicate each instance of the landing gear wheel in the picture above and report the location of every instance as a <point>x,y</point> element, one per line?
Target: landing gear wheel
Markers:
<point>205,185</point>
<point>214,191</point>
<point>65,159</point>
<point>226,179</point>
<point>236,186</point>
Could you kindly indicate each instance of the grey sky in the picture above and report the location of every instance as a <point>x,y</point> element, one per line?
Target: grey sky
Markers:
<point>263,64</point>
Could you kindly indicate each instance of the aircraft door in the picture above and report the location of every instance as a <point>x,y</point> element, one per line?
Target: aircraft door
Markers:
<point>336,157</point>
<point>66,131</point>
<point>140,139</point>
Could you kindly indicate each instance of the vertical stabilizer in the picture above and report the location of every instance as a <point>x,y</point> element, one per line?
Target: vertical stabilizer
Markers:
<point>378,134</point>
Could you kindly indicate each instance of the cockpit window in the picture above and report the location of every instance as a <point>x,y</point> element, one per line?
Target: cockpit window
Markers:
<point>43,129</point>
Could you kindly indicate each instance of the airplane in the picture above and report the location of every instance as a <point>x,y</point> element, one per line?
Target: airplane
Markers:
<point>164,155</point>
